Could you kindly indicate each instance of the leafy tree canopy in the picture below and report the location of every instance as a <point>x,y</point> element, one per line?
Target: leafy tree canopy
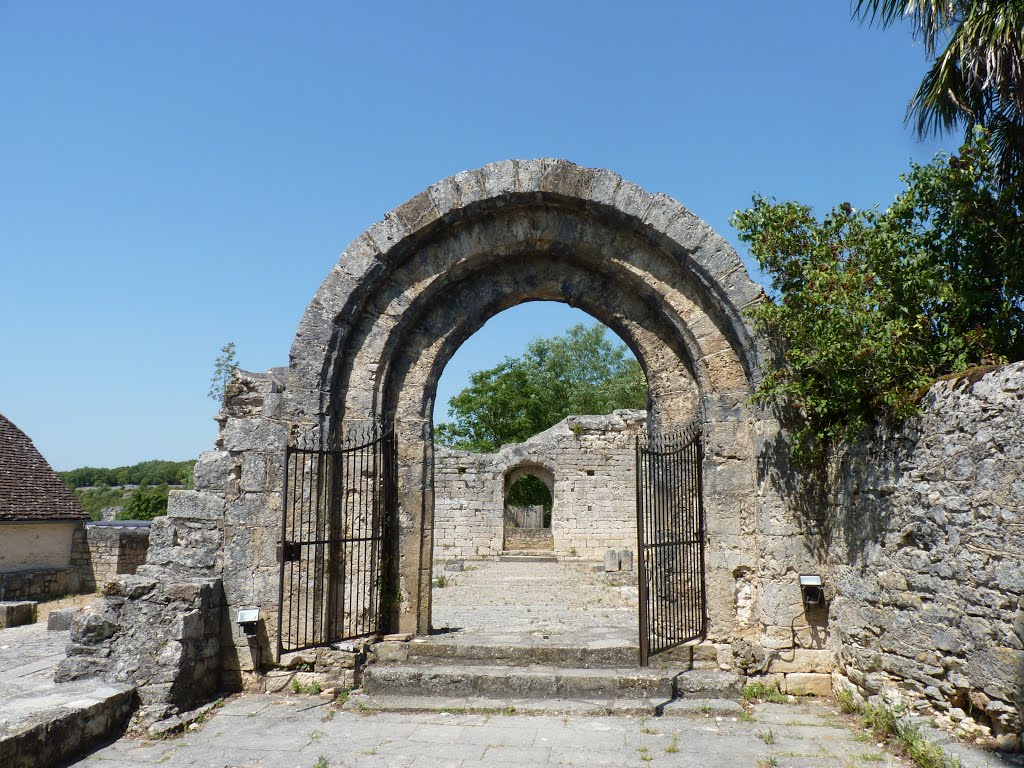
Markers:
<point>582,372</point>
<point>145,504</point>
<point>872,306</point>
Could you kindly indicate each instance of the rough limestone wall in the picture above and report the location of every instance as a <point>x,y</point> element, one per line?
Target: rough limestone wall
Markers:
<point>158,634</point>
<point>39,584</point>
<point>170,628</point>
<point>929,563</point>
<point>593,462</point>
<point>100,552</point>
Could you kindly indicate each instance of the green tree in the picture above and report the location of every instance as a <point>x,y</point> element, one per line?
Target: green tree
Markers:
<point>872,306</point>
<point>582,372</point>
<point>146,503</point>
<point>978,68</point>
<point>224,367</point>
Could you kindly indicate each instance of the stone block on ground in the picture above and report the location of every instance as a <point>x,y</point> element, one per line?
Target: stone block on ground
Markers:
<point>611,561</point>
<point>60,620</point>
<point>16,613</point>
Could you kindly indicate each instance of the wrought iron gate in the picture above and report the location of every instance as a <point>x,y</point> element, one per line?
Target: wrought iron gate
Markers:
<point>337,505</point>
<point>670,533</point>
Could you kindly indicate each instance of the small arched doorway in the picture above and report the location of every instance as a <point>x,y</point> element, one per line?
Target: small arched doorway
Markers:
<point>529,509</point>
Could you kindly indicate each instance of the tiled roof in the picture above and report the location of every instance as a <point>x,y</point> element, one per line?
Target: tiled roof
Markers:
<point>29,488</point>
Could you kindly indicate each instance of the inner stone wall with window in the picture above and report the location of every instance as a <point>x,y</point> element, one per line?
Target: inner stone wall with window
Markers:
<point>592,459</point>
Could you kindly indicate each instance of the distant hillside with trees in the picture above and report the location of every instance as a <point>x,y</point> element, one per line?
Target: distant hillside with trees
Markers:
<point>154,472</point>
<point>138,492</point>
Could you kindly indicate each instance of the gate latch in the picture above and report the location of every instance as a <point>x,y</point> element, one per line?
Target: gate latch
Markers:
<point>289,552</point>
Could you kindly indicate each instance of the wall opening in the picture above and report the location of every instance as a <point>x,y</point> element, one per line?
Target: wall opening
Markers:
<point>552,386</point>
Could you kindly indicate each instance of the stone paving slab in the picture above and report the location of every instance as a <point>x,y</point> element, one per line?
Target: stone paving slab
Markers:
<point>530,603</point>
<point>306,732</point>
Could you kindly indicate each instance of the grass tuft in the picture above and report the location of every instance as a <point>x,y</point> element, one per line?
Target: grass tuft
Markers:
<point>764,692</point>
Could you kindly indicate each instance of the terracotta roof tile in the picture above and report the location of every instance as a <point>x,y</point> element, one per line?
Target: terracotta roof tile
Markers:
<point>29,488</point>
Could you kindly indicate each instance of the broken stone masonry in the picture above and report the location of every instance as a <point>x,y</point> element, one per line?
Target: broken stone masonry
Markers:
<point>918,550</point>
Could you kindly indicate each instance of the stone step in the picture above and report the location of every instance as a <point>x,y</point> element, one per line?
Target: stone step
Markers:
<point>440,652</point>
<point>526,557</point>
<point>547,682</point>
<point>634,707</point>
<point>437,651</point>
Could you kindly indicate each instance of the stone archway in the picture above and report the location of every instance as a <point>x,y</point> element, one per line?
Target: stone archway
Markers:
<point>407,293</point>
<point>373,342</point>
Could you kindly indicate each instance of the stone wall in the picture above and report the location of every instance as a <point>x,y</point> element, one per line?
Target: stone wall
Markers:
<point>928,556</point>
<point>101,551</point>
<point>592,460</point>
<point>160,635</point>
<point>39,583</point>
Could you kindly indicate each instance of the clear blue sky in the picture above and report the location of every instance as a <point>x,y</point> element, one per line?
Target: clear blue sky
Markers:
<point>174,176</point>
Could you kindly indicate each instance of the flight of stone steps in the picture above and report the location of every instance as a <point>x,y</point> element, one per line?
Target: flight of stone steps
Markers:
<point>434,675</point>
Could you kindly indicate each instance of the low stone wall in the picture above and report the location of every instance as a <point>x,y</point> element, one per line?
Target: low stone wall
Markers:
<point>101,551</point>
<point>528,538</point>
<point>39,583</point>
<point>592,461</point>
<point>161,635</point>
<point>55,736</point>
<point>928,557</point>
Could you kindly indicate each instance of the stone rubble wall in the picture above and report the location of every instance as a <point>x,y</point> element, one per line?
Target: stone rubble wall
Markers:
<point>170,628</point>
<point>162,636</point>
<point>40,584</point>
<point>928,561</point>
<point>100,552</point>
<point>593,461</point>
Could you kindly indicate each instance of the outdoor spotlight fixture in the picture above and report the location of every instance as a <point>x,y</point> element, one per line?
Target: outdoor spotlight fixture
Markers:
<point>247,619</point>
<point>811,589</point>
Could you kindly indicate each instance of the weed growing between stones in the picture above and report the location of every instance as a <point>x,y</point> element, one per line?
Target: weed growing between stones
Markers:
<point>645,754</point>
<point>767,762</point>
<point>871,757</point>
<point>847,704</point>
<point>321,762</point>
<point>886,725</point>
<point>764,692</point>
<point>312,688</point>
<point>441,581</point>
<point>673,745</point>
<point>768,737</point>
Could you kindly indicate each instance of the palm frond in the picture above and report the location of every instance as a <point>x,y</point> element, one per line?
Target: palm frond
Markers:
<point>928,18</point>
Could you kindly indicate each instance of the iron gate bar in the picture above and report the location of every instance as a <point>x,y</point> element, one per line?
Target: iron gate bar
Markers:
<point>670,533</point>
<point>336,507</point>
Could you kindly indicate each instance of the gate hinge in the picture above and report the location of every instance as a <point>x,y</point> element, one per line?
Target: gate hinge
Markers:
<point>289,552</point>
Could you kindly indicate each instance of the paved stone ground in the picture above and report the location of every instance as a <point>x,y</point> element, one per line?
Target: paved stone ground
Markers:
<point>269,731</point>
<point>521,603</point>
